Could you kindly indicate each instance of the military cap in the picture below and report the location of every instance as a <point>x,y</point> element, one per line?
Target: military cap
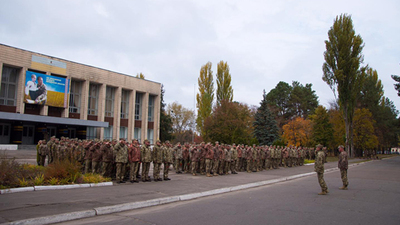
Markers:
<point>319,146</point>
<point>340,146</point>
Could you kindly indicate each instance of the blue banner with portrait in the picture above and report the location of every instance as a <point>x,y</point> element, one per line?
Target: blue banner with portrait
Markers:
<point>45,89</point>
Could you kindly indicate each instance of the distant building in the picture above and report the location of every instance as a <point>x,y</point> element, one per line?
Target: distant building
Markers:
<point>42,96</point>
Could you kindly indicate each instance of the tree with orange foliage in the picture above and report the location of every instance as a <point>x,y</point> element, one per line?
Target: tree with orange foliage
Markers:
<point>298,132</point>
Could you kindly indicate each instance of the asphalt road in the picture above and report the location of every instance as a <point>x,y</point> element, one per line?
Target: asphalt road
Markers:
<point>373,198</point>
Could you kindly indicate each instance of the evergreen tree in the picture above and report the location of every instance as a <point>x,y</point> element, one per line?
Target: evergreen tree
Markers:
<point>165,120</point>
<point>322,128</point>
<point>265,128</point>
<point>397,85</point>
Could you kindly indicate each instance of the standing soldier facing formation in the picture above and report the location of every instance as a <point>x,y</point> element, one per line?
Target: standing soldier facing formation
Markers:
<point>319,168</point>
<point>343,165</point>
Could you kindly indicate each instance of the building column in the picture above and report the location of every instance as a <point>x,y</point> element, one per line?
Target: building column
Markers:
<point>157,105</point>
<point>145,114</point>
<point>65,112</point>
<point>117,112</point>
<point>131,115</point>
<point>101,109</point>
<point>84,100</point>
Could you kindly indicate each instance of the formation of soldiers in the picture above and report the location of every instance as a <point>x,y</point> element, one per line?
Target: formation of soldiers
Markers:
<point>122,160</point>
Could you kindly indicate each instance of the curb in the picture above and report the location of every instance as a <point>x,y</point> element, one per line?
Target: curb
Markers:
<point>53,187</point>
<point>159,201</point>
<point>57,218</point>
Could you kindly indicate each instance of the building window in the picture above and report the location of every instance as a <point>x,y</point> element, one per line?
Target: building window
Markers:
<point>125,104</point>
<point>9,80</point>
<point>151,108</point>
<point>138,106</point>
<point>123,132</point>
<point>91,133</point>
<point>150,135</point>
<point>137,134</point>
<point>110,94</point>
<point>108,133</point>
<point>93,99</point>
<point>75,96</point>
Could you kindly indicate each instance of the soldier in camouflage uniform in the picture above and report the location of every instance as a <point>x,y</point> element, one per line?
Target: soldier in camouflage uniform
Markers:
<point>121,159</point>
<point>249,159</point>
<point>234,158</point>
<point>194,157</point>
<point>209,156</point>
<point>134,159</point>
<point>216,159</point>
<point>157,160</point>
<point>319,168</point>
<point>145,154</point>
<point>96,157</point>
<point>167,158</point>
<point>185,158</point>
<point>221,159</point>
<point>107,159</point>
<point>343,165</point>
<point>178,158</point>
<point>43,151</point>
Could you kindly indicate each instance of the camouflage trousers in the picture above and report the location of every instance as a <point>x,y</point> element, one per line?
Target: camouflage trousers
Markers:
<point>186,165</point>
<point>120,171</point>
<point>343,175</point>
<point>249,169</point>
<point>233,166</point>
<point>166,169</point>
<point>156,170</point>
<point>106,169</point>
<point>208,166</point>
<point>194,167</point>
<point>215,166</point>
<point>221,167</point>
<point>321,182</point>
<point>178,167</point>
<point>88,165</point>
<point>202,166</point>
<point>96,167</point>
<point>133,171</point>
<point>227,166</point>
<point>145,171</point>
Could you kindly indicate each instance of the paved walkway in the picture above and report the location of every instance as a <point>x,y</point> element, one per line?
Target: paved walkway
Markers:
<point>27,205</point>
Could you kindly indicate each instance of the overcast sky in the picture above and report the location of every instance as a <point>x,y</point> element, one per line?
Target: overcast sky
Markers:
<point>264,41</point>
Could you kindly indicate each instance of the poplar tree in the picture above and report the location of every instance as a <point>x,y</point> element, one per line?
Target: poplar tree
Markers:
<point>342,70</point>
<point>205,97</point>
<point>224,87</point>
<point>265,127</point>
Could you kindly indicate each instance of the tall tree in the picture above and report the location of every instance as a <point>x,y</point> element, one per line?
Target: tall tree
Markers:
<point>302,100</point>
<point>165,120</point>
<point>230,122</point>
<point>205,97</point>
<point>182,122</point>
<point>265,128</point>
<point>364,134</point>
<point>224,86</point>
<point>342,69</point>
<point>278,99</point>
<point>298,132</point>
<point>322,128</point>
<point>397,85</point>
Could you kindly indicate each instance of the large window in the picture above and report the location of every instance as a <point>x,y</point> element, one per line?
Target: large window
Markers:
<point>137,134</point>
<point>150,135</point>
<point>151,108</point>
<point>93,99</point>
<point>91,133</point>
<point>9,80</point>
<point>75,97</point>
<point>138,106</point>
<point>123,132</point>
<point>125,104</point>
<point>108,133</point>
<point>110,94</point>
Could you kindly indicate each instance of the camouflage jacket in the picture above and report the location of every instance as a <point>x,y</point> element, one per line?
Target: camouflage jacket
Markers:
<point>167,154</point>
<point>319,162</point>
<point>343,164</point>
<point>157,154</point>
<point>121,153</point>
<point>145,154</point>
